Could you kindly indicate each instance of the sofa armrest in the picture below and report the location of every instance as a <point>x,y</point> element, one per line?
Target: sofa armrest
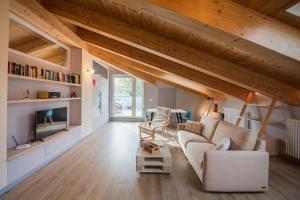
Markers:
<point>236,171</point>
<point>181,126</point>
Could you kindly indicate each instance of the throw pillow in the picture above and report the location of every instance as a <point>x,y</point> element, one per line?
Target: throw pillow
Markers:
<point>223,145</point>
<point>195,127</point>
<point>209,126</point>
<point>240,138</point>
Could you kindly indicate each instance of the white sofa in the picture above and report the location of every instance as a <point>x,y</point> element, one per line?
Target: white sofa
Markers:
<point>242,168</point>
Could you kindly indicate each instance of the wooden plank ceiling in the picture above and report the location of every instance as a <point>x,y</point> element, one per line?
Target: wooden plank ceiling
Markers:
<point>163,38</point>
<point>225,46</point>
<point>27,41</point>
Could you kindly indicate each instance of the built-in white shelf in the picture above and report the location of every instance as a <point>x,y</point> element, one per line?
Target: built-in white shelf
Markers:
<point>23,101</point>
<point>23,58</point>
<point>13,153</point>
<point>13,76</point>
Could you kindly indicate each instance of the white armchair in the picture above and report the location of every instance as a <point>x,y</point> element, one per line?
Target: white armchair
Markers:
<point>158,125</point>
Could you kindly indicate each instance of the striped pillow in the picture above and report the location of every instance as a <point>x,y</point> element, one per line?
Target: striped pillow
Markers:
<point>195,127</point>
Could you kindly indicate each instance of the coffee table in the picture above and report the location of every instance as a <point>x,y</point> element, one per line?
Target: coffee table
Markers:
<point>158,162</point>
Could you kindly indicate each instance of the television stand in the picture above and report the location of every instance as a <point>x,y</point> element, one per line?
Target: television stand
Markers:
<point>12,153</point>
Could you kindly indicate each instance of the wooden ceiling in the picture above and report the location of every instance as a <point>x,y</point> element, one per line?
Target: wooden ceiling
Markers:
<point>249,55</point>
<point>27,41</point>
<point>274,8</point>
<point>220,40</point>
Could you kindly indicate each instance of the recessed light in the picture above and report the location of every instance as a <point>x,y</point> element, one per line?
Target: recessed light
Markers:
<point>295,9</point>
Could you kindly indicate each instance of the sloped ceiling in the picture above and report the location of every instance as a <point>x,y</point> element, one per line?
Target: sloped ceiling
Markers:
<point>249,55</point>
<point>186,40</point>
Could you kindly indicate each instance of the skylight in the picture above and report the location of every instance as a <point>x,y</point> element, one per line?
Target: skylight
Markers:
<point>295,9</point>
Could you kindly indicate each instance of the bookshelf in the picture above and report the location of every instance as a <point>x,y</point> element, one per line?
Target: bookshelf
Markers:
<point>21,111</point>
<point>22,101</point>
<point>20,57</point>
<point>13,76</point>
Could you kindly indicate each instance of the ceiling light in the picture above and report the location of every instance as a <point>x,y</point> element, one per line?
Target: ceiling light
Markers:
<point>91,71</point>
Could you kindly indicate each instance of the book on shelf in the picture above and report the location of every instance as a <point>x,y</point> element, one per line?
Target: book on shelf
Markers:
<point>42,73</point>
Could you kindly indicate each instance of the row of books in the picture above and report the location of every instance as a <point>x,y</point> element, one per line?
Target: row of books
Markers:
<point>41,73</point>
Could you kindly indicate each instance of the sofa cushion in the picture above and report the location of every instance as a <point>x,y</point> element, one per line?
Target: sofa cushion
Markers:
<point>195,127</point>
<point>209,126</point>
<point>240,138</point>
<point>184,137</point>
<point>195,154</point>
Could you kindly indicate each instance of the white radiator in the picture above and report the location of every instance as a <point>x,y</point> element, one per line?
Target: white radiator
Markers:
<point>231,115</point>
<point>292,138</point>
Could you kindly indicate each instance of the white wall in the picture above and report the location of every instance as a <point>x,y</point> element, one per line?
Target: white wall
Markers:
<point>186,100</point>
<point>100,116</point>
<point>274,131</point>
<point>283,111</point>
<point>91,117</point>
<point>4,9</point>
<point>163,95</point>
<point>150,95</point>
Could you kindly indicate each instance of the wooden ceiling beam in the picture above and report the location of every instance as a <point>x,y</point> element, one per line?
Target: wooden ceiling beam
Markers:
<point>240,21</point>
<point>165,65</point>
<point>174,51</point>
<point>35,14</point>
<point>124,63</point>
<point>140,74</point>
<point>131,71</point>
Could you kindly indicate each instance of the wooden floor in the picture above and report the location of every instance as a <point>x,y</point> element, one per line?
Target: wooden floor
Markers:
<point>103,167</point>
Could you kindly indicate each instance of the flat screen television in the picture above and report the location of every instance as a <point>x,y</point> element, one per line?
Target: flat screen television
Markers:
<point>49,122</point>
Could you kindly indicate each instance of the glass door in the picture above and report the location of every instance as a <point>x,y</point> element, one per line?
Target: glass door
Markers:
<point>127,96</point>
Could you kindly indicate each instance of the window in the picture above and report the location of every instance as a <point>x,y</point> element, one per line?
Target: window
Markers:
<point>294,10</point>
<point>127,96</point>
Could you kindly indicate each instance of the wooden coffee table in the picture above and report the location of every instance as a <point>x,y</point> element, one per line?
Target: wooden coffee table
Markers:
<point>158,162</point>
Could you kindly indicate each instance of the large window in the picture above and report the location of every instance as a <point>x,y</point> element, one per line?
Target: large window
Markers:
<point>127,96</point>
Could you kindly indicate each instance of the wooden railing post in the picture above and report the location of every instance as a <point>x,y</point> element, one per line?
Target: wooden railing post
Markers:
<point>265,121</point>
<point>249,98</point>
